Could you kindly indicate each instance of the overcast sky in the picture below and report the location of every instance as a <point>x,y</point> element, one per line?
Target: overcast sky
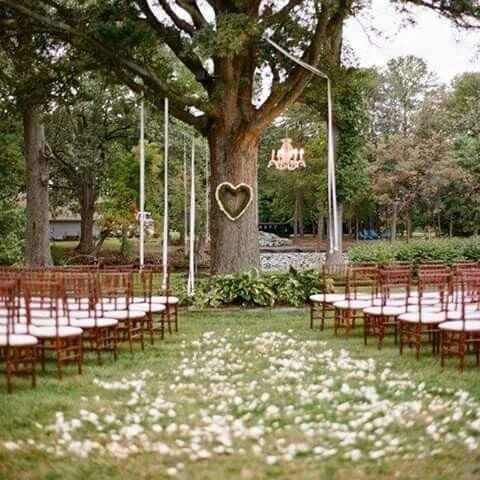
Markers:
<point>447,51</point>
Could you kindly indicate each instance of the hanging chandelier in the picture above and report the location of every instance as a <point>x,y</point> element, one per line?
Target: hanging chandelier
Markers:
<point>287,157</point>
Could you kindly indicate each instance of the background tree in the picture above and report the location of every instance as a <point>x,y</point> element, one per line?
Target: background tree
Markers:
<point>81,138</point>
<point>35,69</point>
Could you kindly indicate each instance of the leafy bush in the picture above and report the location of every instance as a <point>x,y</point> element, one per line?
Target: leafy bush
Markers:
<point>12,228</point>
<point>253,289</point>
<point>447,251</point>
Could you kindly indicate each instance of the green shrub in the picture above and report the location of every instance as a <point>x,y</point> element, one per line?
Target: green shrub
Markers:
<point>11,249</point>
<point>12,230</point>
<point>415,252</point>
<point>253,288</point>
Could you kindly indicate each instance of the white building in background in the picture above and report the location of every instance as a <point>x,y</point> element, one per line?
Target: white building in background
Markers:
<point>66,226</point>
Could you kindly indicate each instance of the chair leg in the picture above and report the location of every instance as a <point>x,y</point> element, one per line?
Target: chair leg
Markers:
<point>129,333</point>
<point>169,319</point>
<point>442,349</point>
<point>162,326</point>
<point>381,331</point>
<point>401,333</point>
<point>418,341</point>
<point>141,335</point>
<point>311,315</point>
<point>42,354</point>
<point>33,353</point>
<point>175,309</point>
<point>114,340</point>
<point>58,354</point>
<point>461,351</point>
<point>323,316</point>
<point>98,340</point>
<point>80,355</point>
<point>8,369</point>
<point>366,324</point>
<point>149,321</point>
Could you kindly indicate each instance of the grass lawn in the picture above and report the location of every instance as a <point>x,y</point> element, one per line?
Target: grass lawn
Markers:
<point>247,395</point>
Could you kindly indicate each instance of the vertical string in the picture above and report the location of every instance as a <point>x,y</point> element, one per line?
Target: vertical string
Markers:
<point>331,162</point>
<point>191,259</point>
<point>165,199</point>
<point>329,200</point>
<point>142,183</point>
<point>207,194</point>
<point>185,192</point>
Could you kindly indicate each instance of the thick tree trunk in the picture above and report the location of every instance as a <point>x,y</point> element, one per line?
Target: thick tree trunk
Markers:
<point>234,244</point>
<point>37,235</point>
<point>87,212</point>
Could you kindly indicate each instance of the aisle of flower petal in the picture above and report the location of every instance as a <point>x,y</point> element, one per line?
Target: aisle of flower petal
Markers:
<point>273,396</point>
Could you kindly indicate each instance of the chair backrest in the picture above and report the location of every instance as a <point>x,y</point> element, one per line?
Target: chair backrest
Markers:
<point>118,268</point>
<point>395,281</point>
<point>466,267</point>
<point>434,282</point>
<point>425,268</point>
<point>44,302</point>
<point>397,266</point>
<point>466,291</point>
<point>157,283</point>
<point>363,280</point>
<point>8,308</point>
<point>80,291</point>
<point>115,288</point>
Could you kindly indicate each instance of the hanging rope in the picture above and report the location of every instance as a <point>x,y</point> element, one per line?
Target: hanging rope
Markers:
<point>331,162</point>
<point>332,192</point>
<point>141,213</point>
<point>191,253</point>
<point>207,195</point>
<point>165,201</point>
<point>185,193</point>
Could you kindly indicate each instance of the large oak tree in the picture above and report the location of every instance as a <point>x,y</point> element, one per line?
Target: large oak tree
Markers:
<point>238,83</point>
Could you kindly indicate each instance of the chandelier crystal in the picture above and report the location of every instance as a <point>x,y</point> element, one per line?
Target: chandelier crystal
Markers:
<point>287,157</point>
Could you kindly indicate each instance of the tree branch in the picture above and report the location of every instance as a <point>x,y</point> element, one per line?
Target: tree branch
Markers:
<point>179,23</point>
<point>120,64</point>
<point>279,17</point>
<point>174,40</point>
<point>460,13</point>
<point>191,7</point>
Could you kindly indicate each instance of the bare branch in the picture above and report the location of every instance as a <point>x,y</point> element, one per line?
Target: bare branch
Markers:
<point>192,8</point>
<point>465,14</point>
<point>179,23</point>
<point>174,40</point>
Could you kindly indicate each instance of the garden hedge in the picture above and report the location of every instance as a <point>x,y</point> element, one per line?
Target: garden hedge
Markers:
<point>448,251</point>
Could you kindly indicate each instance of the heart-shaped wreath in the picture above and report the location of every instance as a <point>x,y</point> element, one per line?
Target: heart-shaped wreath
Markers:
<point>234,200</point>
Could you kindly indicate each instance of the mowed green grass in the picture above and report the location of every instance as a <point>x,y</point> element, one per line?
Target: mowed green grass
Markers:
<point>22,413</point>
